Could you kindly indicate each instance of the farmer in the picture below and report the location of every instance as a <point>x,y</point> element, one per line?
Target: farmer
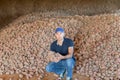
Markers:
<point>65,62</point>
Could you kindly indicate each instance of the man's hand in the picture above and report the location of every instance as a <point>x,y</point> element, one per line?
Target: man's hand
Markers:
<point>57,57</point>
<point>54,57</point>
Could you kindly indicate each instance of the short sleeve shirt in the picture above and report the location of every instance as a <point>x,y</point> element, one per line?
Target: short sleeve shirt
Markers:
<point>63,49</point>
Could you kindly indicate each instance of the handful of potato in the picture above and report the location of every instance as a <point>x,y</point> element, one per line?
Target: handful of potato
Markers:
<point>53,57</point>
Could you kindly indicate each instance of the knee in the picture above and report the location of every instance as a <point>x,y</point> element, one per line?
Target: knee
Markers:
<point>70,62</point>
<point>49,67</point>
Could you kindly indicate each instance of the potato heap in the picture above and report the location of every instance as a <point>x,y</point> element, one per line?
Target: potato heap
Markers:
<point>25,43</point>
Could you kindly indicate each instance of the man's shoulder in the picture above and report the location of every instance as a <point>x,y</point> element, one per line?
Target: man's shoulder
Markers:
<point>68,40</point>
<point>54,42</point>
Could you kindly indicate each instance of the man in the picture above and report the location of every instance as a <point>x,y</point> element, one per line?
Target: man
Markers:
<point>65,61</point>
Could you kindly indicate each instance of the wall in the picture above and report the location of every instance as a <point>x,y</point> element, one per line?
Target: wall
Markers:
<point>12,9</point>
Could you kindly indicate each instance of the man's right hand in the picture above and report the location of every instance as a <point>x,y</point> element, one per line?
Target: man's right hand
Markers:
<point>55,58</point>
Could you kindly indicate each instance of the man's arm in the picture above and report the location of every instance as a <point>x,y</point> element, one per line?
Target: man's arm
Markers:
<point>70,53</point>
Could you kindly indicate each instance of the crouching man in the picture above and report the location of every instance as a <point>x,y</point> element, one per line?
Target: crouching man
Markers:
<point>65,61</point>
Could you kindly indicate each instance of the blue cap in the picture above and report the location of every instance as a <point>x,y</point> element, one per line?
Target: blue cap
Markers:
<point>59,29</point>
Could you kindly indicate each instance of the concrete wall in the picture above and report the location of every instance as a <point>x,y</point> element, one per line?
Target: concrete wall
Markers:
<point>11,9</point>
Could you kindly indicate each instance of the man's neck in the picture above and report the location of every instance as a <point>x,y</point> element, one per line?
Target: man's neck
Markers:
<point>60,42</point>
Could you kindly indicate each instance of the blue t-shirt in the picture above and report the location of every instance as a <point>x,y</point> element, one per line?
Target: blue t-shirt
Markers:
<point>63,49</point>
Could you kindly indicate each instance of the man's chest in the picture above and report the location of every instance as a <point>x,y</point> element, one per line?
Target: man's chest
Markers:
<point>61,49</point>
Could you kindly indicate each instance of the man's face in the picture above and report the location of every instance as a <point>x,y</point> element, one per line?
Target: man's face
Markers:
<point>59,35</point>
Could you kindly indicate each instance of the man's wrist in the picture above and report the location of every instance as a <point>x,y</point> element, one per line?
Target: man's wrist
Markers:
<point>63,57</point>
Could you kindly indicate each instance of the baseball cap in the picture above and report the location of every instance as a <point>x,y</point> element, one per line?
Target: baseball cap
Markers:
<point>59,29</point>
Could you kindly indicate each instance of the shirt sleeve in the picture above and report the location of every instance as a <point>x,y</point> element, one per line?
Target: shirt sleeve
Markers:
<point>52,47</point>
<point>71,43</point>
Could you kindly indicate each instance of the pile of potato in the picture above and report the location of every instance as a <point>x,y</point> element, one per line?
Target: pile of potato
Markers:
<point>25,43</point>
